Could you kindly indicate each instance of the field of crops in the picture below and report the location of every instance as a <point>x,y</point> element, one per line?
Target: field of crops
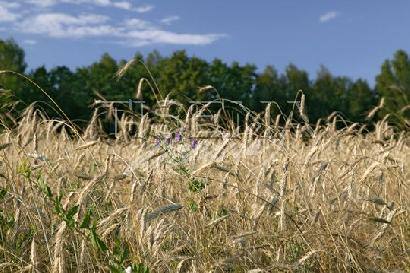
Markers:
<point>271,198</point>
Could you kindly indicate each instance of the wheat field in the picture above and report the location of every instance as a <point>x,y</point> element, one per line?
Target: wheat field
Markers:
<point>271,198</point>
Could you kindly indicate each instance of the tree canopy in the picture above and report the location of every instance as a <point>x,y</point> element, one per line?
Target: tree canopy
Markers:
<point>182,77</point>
<point>393,84</point>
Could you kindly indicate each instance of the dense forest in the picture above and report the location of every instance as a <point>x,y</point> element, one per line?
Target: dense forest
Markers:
<point>185,78</point>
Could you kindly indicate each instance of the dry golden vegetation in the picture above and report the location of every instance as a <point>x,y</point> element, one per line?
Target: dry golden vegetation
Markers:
<point>269,199</point>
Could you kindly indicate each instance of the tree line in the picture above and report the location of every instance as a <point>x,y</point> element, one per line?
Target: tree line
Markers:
<point>186,78</point>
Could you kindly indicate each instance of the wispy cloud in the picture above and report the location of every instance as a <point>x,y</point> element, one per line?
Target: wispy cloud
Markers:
<point>40,17</point>
<point>6,12</point>
<point>30,42</point>
<point>131,32</point>
<point>140,24</point>
<point>170,19</point>
<point>42,3</point>
<point>102,3</point>
<point>330,15</point>
<point>9,5</point>
<point>61,25</point>
<point>144,8</point>
<point>123,5</point>
<point>145,37</point>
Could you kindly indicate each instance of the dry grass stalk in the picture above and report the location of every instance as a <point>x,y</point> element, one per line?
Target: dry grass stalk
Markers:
<point>162,210</point>
<point>86,145</point>
<point>33,256</point>
<point>333,202</point>
<point>58,259</point>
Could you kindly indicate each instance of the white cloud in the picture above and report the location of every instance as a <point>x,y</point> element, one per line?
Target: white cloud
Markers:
<point>42,3</point>
<point>136,23</point>
<point>6,13</point>
<point>132,32</point>
<point>330,15</point>
<point>30,42</point>
<point>9,5</point>
<point>170,19</point>
<point>140,38</point>
<point>39,17</point>
<point>62,25</point>
<point>102,3</point>
<point>144,8</point>
<point>122,5</point>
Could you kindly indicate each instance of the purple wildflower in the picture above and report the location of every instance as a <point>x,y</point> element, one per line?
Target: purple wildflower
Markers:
<point>157,142</point>
<point>178,137</point>
<point>194,143</point>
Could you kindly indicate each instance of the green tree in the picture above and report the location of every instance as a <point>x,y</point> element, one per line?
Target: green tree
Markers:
<point>233,82</point>
<point>153,59</point>
<point>182,76</point>
<point>29,93</point>
<point>393,84</point>
<point>68,93</point>
<point>360,99</point>
<point>295,79</point>
<point>269,87</point>
<point>100,77</point>
<point>11,58</point>
<point>329,94</point>
<point>7,104</point>
<point>128,82</point>
<point>322,94</point>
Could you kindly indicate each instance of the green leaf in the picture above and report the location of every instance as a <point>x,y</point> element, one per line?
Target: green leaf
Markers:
<point>57,205</point>
<point>86,220</point>
<point>3,193</point>
<point>48,192</point>
<point>193,206</point>
<point>117,249</point>
<point>71,212</point>
<point>140,268</point>
<point>24,169</point>
<point>196,185</point>
<point>125,253</point>
<point>115,268</point>
<point>97,241</point>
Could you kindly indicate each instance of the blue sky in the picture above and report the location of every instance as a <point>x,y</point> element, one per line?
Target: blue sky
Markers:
<point>350,37</point>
